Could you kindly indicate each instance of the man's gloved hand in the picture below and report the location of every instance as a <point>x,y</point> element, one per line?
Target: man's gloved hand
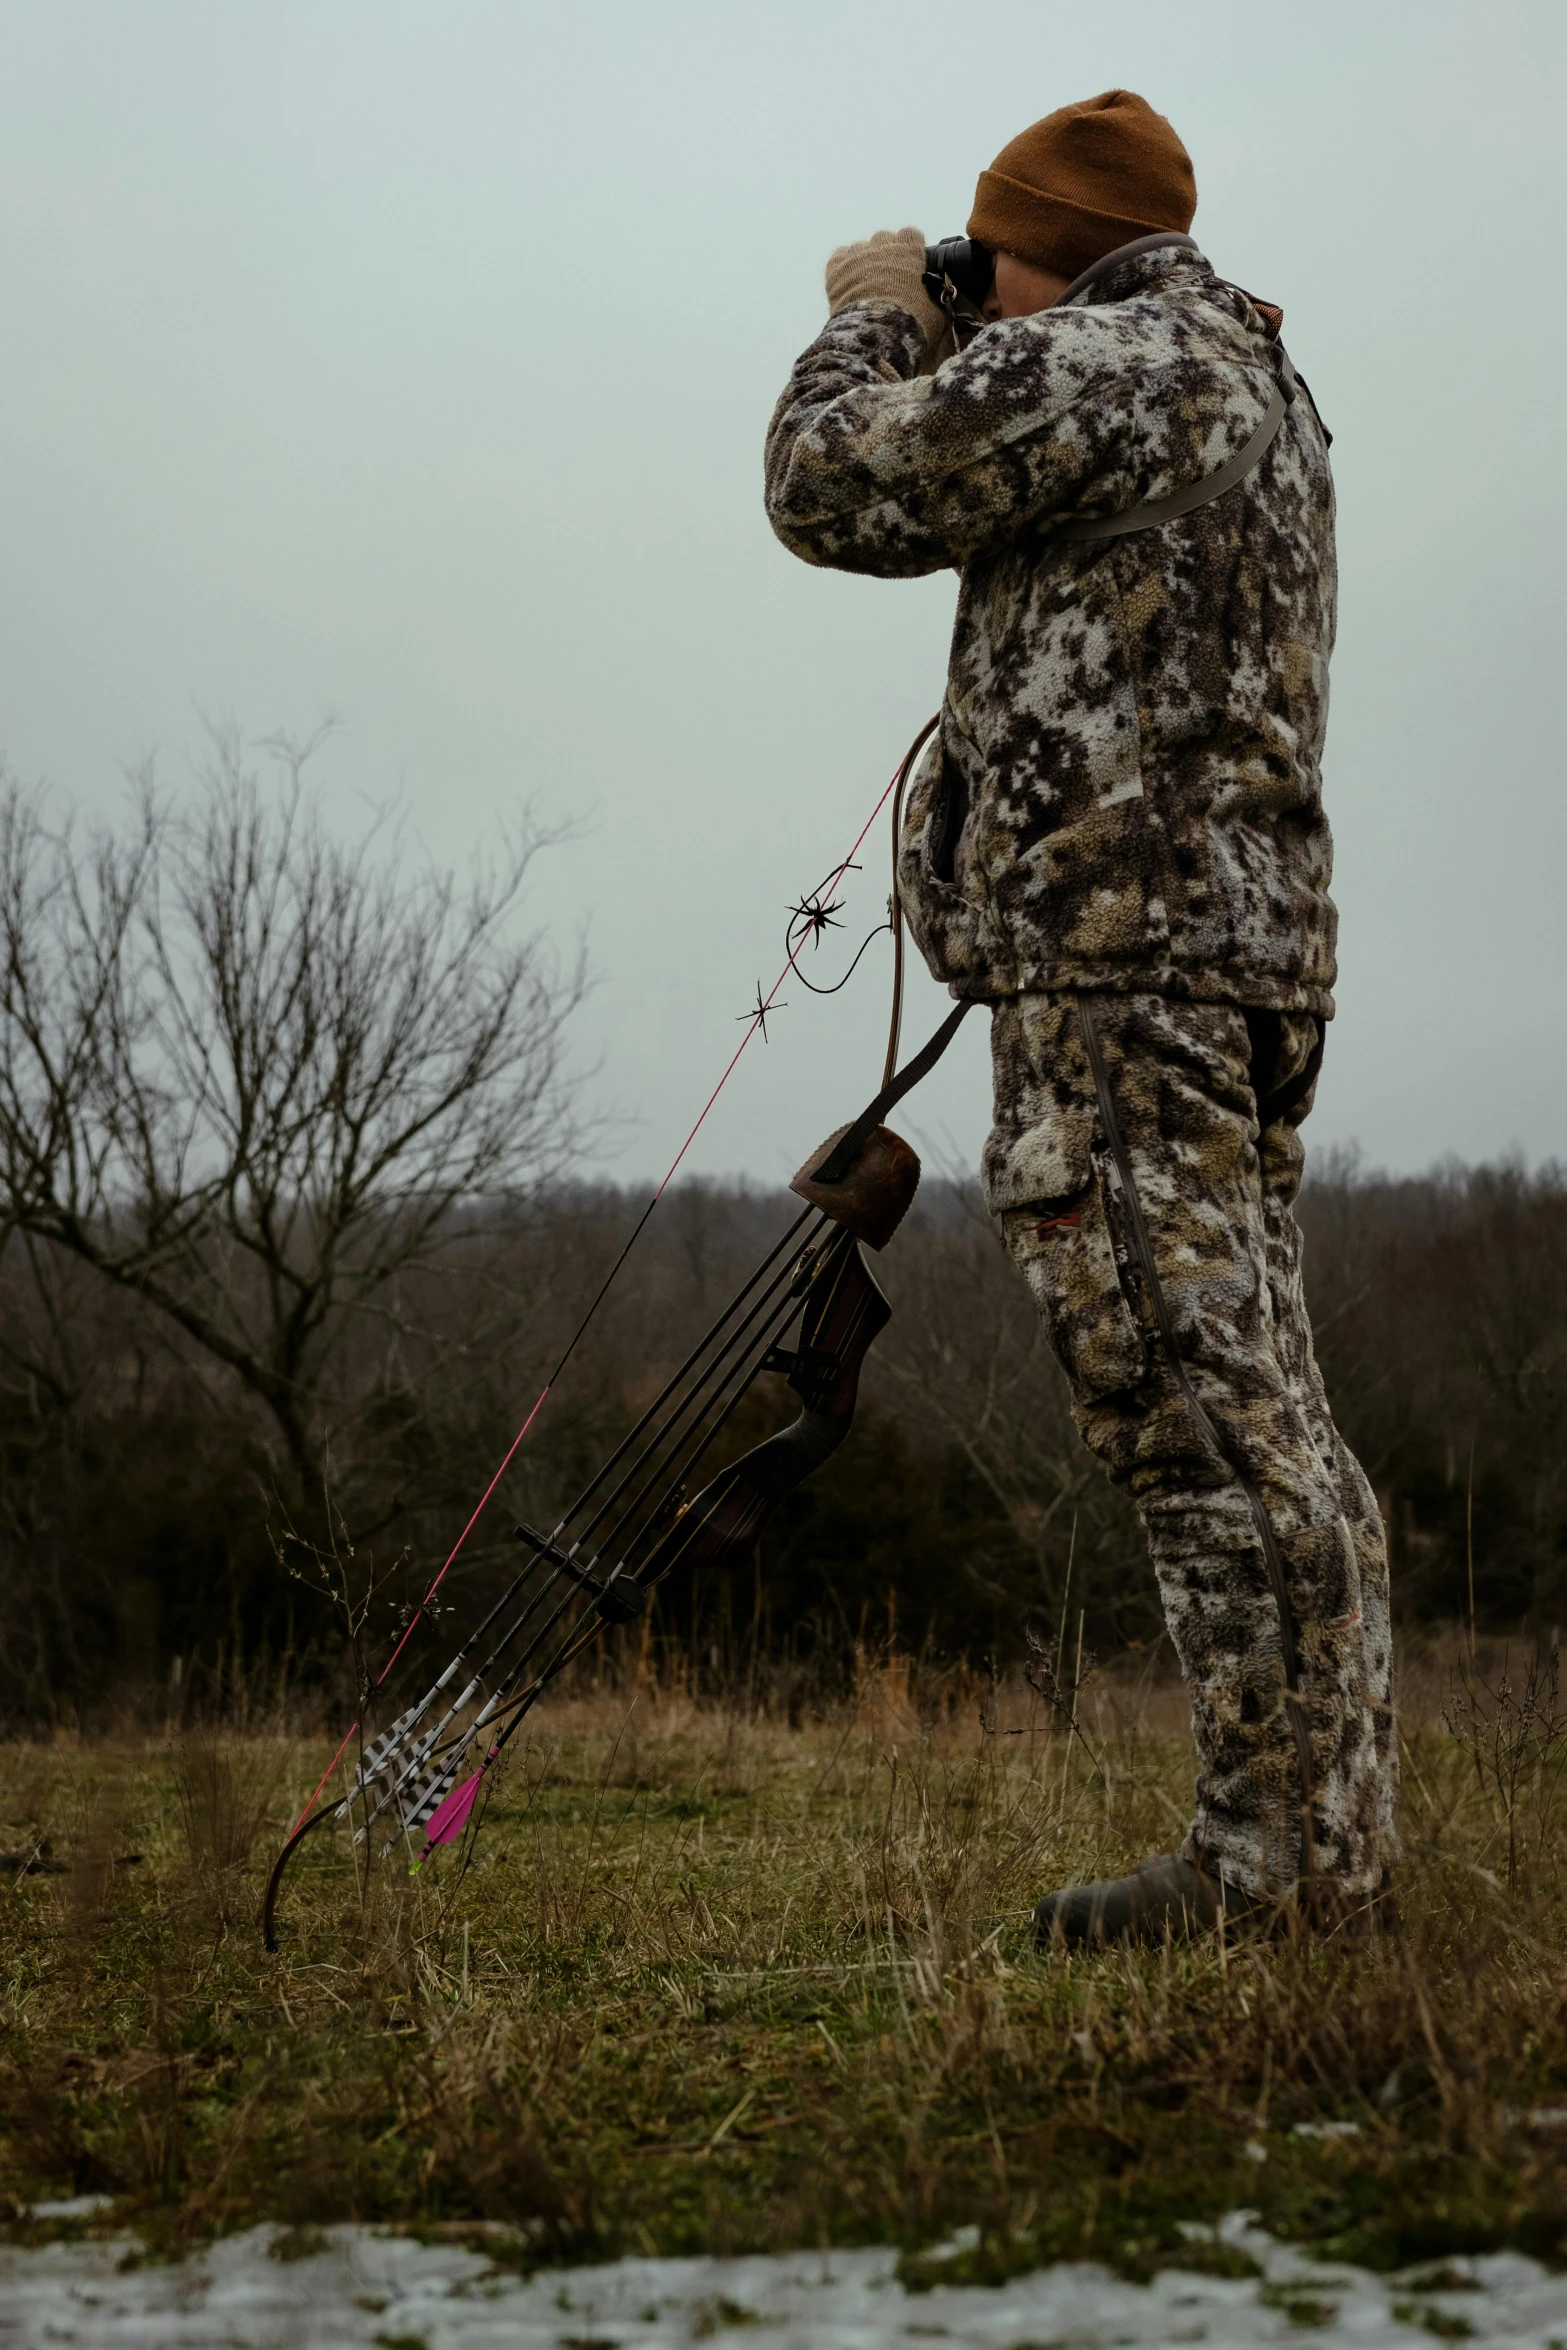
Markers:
<point>887,267</point>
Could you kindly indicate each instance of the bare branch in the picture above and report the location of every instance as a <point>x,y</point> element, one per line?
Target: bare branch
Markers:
<point>251,1071</point>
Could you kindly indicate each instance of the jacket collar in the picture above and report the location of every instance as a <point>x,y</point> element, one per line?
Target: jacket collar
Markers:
<point>1125,266</point>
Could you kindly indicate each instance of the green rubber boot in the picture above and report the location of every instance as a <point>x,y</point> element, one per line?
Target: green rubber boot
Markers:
<point>1165,1896</point>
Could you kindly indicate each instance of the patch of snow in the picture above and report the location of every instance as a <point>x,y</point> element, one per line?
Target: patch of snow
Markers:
<point>1326,2130</point>
<point>357,2286</point>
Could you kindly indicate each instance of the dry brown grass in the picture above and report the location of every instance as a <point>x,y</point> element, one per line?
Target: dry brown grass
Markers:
<point>714,1981</point>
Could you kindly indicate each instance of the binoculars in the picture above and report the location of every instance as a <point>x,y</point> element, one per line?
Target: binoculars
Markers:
<point>958,269</point>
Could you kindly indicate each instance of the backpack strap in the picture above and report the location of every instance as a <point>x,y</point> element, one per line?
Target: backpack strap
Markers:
<point>1196,493</point>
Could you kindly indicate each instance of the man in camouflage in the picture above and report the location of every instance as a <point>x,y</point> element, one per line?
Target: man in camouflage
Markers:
<point>1117,841</point>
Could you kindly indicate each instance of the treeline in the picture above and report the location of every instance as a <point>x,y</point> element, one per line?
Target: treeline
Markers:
<point>155,1532</point>
<point>289,1241</point>
<point>1440,1308</point>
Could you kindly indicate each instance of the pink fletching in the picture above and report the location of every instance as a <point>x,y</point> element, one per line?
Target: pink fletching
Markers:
<point>452,1817</point>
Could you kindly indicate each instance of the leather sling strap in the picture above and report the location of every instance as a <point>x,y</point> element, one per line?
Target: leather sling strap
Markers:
<point>1196,493</point>
<point>852,1141</point>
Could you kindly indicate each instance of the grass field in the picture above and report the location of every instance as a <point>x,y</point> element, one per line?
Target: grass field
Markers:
<point>713,1982</point>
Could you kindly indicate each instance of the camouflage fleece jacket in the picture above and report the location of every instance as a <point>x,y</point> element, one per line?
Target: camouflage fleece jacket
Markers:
<point>1125,792</point>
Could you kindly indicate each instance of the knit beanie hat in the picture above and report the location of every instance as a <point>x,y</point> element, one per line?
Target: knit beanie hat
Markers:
<point>1086,179</point>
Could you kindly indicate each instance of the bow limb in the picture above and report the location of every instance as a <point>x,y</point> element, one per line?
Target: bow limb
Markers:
<point>319,1819</point>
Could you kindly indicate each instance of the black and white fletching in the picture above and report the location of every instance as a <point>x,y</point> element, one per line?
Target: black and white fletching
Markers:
<point>432,1792</point>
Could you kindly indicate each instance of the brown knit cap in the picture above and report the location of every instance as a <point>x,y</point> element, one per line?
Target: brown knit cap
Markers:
<point>1086,179</point>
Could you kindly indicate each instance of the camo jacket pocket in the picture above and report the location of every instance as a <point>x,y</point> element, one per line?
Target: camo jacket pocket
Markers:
<point>944,893</point>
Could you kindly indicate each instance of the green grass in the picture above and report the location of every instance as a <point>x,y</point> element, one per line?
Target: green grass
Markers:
<point>716,1983</point>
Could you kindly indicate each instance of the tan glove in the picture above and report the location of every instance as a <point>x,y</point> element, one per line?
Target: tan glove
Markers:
<point>887,267</point>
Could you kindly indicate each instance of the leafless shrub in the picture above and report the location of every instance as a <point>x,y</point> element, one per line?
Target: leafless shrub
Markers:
<point>1512,1727</point>
<point>227,1794</point>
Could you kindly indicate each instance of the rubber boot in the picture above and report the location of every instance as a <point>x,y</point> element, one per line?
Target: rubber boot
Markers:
<point>1165,1896</point>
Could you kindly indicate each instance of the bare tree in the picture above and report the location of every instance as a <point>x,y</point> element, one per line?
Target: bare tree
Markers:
<point>255,1075</point>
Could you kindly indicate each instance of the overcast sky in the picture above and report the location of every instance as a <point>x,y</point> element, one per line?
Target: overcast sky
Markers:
<point>412,364</point>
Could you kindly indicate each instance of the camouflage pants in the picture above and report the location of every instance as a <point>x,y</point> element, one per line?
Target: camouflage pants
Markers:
<point>1247,1491</point>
